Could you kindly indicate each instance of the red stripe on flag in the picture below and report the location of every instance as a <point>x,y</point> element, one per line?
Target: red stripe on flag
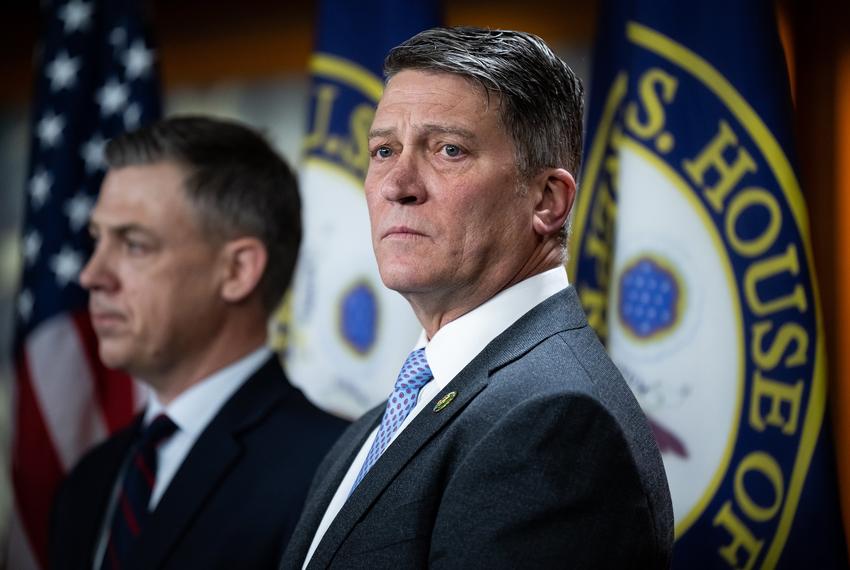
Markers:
<point>36,469</point>
<point>114,389</point>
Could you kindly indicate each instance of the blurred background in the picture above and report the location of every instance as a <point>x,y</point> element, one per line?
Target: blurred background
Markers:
<point>246,60</point>
<point>249,60</point>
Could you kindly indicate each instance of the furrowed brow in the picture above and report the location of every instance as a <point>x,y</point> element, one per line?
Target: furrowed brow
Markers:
<point>434,129</point>
<point>428,129</point>
<point>380,133</point>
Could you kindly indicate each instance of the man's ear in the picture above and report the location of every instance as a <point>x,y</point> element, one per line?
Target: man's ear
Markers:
<point>554,202</point>
<point>245,261</point>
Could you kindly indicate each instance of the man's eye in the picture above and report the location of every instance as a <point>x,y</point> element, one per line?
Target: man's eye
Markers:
<point>135,247</point>
<point>452,150</point>
<point>383,152</point>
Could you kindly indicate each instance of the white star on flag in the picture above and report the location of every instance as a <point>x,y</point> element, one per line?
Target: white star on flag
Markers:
<point>66,265</point>
<point>78,209</point>
<point>138,60</point>
<point>112,96</point>
<point>83,97</point>
<point>76,15</point>
<point>49,130</point>
<point>40,184</point>
<point>93,153</point>
<point>25,304</point>
<point>32,247</point>
<point>118,36</point>
<point>62,71</point>
<point>132,117</point>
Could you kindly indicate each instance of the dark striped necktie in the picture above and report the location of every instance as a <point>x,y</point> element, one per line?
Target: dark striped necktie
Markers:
<point>131,508</point>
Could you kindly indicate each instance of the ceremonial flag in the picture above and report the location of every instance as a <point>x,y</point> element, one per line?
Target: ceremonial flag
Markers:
<point>347,334</point>
<point>95,79</point>
<point>692,256</point>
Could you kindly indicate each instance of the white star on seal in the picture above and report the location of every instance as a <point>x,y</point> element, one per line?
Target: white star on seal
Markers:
<point>62,71</point>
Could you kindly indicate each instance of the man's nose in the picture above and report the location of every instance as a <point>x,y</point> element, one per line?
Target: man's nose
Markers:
<point>404,183</point>
<point>97,273</point>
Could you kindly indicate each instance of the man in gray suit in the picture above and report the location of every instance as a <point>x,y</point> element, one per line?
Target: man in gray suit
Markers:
<point>510,439</point>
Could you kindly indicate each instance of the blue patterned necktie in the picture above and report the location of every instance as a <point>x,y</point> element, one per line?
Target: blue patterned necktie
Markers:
<point>414,374</point>
<point>131,509</point>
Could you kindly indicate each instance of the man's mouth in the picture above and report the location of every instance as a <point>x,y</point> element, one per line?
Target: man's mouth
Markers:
<point>402,232</point>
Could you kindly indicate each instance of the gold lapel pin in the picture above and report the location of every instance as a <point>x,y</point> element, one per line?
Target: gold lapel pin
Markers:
<point>444,401</point>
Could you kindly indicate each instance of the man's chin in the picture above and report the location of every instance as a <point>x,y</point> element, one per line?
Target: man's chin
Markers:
<point>406,277</point>
<point>113,357</point>
<point>395,280</point>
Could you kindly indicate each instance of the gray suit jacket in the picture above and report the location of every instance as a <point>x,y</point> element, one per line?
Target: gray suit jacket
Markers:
<point>543,459</point>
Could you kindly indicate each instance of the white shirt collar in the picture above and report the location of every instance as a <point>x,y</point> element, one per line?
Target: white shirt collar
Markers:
<point>194,409</point>
<point>457,343</point>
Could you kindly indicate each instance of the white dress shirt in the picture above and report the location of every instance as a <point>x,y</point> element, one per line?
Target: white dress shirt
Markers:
<point>452,348</point>
<point>191,411</point>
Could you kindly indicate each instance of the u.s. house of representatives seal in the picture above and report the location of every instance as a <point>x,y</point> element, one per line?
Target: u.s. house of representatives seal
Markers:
<point>692,258</point>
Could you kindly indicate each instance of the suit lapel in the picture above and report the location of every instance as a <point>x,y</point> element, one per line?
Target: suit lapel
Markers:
<point>208,462</point>
<point>424,427</point>
<point>320,497</point>
<point>560,312</point>
<point>101,482</point>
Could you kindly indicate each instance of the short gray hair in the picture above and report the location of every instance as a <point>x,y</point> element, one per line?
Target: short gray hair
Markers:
<point>541,97</point>
<point>236,182</point>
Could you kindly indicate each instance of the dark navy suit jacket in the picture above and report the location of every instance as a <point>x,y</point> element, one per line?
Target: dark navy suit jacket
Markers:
<point>233,502</point>
<point>542,460</point>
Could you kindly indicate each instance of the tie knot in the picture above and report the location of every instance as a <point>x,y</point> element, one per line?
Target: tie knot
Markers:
<point>159,429</point>
<point>415,372</point>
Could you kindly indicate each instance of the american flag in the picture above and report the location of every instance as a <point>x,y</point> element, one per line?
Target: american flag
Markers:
<point>96,78</point>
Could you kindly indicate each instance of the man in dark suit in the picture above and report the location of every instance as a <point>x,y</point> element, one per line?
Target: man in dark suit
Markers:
<point>510,439</point>
<point>197,228</point>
